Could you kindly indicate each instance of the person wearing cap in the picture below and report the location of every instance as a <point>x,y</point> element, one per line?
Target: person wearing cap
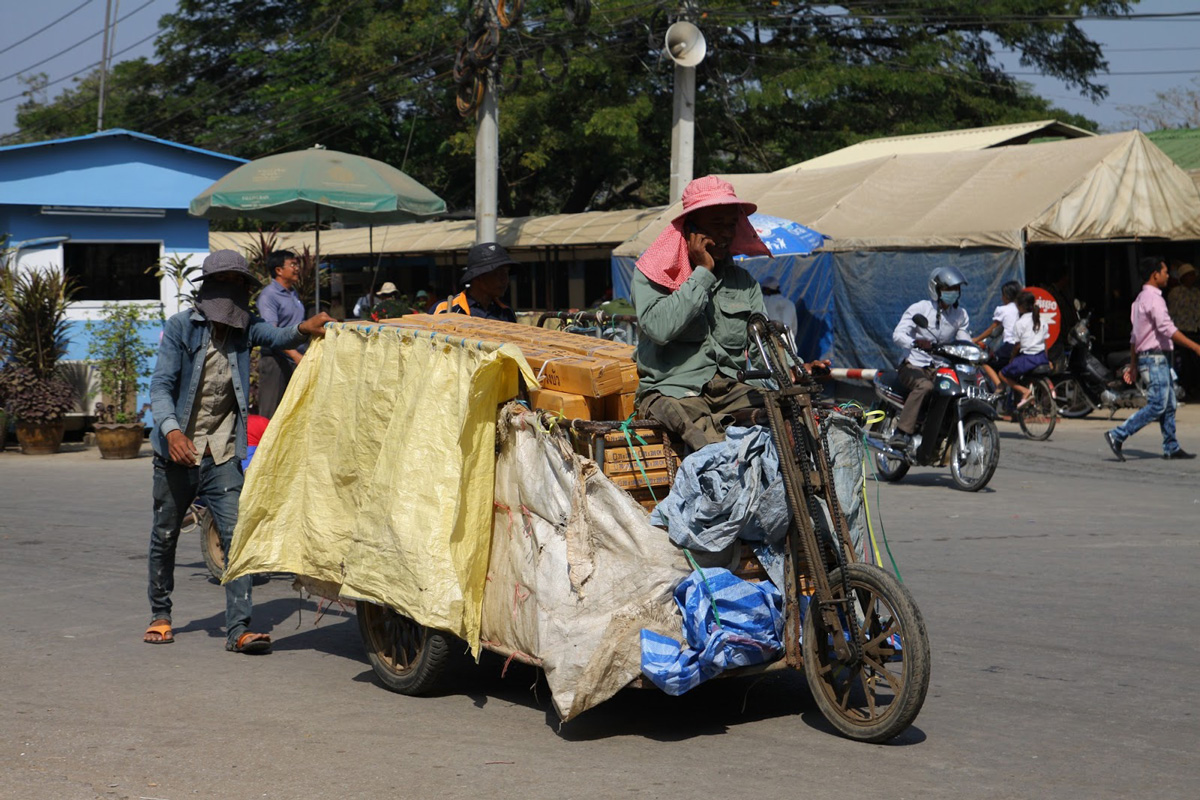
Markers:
<point>693,303</point>
<point>421,301</point>
<point>779,308</point>
<point>279,304</point>
<point>1183,303</point>
<point>486,279</point>
<point>389,306</point>
<point>199,396</point>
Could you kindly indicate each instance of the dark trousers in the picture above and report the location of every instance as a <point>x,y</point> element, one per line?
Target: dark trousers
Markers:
<point>919,381</point>
<point>274,373</point>
<point>701,420</point>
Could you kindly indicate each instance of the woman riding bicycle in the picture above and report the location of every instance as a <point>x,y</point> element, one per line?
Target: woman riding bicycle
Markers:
<point>1030,349</point>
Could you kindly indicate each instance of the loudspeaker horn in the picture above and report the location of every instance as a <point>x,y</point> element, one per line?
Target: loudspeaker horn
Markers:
<point>685,44</point>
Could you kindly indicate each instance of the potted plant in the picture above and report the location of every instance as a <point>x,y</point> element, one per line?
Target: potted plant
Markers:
<point>123,361</point>
<point>33,328</point>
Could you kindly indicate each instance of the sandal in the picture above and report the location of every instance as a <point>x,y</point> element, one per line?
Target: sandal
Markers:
<point>1026,400</point>
<point>159,632</point>
<point>251,643</point>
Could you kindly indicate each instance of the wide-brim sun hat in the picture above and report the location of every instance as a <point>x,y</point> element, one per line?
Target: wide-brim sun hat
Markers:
<point>220,261</point>
<point>387,288</point>
<point>711,191</point>
<point>485,257</point>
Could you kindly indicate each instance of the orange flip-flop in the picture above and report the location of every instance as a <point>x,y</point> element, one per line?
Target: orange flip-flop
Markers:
<point>160,628</point>
<point>252,643</point>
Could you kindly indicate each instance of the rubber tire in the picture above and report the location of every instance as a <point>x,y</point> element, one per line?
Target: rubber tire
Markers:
<point>1043,397</point>
<point>428,662</point>
<point>210,544</point>
<point>914,645</point>
<point>884,466</point>
<point>992,458</point>
<point>1072,402</point>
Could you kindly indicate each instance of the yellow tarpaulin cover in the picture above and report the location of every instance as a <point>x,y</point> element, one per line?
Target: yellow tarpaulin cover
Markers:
<point>377,472</point>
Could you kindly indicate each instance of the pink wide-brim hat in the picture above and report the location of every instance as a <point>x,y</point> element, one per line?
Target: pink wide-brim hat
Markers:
<point>666,261</point>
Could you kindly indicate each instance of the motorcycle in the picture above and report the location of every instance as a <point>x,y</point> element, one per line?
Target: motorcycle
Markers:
<point>1087,384</point>
<point>957,425</point>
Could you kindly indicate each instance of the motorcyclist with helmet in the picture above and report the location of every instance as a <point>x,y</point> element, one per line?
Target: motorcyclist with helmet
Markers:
<point>946,322</point>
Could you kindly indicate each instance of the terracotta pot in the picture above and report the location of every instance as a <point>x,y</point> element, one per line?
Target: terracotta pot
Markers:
<point>119,439</point>
<point>40,438</point>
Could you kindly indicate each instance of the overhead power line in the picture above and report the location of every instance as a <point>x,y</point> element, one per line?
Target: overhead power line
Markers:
<point>91,66</point>
<point>80,43</point>
<point>44,28</point>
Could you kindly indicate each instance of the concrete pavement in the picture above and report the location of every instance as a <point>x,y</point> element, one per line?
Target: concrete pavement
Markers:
<point>1060,604</point>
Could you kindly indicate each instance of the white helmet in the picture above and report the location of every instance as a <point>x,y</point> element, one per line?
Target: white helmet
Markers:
<point>944,278</point>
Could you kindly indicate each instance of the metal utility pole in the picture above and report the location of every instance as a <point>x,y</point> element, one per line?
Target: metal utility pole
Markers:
<point>487,146</point>
<point>686,46</point>
<point>104,64</point>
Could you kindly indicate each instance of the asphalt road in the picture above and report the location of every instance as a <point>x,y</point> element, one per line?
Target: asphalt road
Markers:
<point>1058,603</point>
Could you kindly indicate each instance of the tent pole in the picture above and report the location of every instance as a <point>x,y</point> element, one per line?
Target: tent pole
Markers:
<point>317,264</point>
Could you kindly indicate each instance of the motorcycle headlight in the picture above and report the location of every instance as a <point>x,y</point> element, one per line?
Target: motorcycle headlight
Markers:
<point>972,354</point>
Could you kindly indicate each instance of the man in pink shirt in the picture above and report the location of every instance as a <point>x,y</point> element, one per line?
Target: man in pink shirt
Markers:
<point>1153,340</point>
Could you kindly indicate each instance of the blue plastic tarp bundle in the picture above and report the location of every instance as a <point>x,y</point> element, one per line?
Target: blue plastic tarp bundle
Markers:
<point>727,623</point>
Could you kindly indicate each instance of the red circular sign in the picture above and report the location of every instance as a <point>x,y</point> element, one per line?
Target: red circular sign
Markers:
<point>1048,313</point>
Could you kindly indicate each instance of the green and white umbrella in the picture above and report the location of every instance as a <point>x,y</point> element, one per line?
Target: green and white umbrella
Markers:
<point>318,184</point>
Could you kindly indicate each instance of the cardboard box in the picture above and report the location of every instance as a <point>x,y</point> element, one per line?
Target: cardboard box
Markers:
<point>635,480</point>
<point>621,467</point>
<point>620,454</point>
<point>619,406</point>
<point>646,435</point>
<point>571,406</point>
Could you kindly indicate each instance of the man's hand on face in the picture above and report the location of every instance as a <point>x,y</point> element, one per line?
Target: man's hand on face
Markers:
<point>698,244</point>
<point>315,325</point>
<point>181,449</point>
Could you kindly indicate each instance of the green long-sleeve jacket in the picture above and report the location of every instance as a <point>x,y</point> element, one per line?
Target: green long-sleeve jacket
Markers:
<point>689,335</point>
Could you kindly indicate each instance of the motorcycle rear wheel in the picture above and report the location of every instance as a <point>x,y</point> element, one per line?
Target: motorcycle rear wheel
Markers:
<point>877,698</point>
<point>1038,417</point>
<point>888,469</point>
<point>973,467</point>
<point>1071,400</point>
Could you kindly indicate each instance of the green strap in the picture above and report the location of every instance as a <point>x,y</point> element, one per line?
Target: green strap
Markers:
<point>712,598</point>
<point>625,429</point>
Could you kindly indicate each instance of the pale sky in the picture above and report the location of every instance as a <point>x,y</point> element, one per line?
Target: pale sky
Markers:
<point>1145,55</point>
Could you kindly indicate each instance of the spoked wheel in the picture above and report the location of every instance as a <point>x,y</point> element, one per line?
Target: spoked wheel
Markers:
<point>1070,398</point>
<point>210,544</point>
<point>1040,414</point>
<point>877,696</point>
<point>408,658</point>
<point>889,469</point>
<point>972,466</point>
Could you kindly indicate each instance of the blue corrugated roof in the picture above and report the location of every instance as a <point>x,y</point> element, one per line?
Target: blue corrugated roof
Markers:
<point>116,168</point>
<point>122,132</point>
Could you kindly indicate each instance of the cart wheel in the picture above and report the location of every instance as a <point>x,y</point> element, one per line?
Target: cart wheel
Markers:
<point>1039,416</point>
<point>408,658</point>
<point>880,696</point>
<point>210,543</point>
<point>889,469</point>
<point>972,467</point>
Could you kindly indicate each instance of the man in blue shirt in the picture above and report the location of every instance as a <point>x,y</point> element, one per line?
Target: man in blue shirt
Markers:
<point>199,396</point>
<point>279,304</point>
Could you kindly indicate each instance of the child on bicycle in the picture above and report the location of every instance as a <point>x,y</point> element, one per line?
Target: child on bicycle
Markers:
<point>1004,319</point>
<point>1030,349</point>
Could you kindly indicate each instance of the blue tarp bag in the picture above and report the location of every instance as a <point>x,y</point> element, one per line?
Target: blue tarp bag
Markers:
<point>727,622</point>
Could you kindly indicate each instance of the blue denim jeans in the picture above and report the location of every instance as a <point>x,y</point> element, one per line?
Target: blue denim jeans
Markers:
<point>175,487</point>
<point>1160,403</point>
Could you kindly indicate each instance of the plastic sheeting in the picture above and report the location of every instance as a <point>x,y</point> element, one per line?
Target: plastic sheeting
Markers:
<point>376,473</point>
<point>805,280</point>
<point>872,289</point>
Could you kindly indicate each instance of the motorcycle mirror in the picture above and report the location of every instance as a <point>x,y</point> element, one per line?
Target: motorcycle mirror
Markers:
<point>920,320</point>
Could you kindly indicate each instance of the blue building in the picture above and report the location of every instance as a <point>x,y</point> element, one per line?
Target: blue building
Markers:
<point>104,208</point>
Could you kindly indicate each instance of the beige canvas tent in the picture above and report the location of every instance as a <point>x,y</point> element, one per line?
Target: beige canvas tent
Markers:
<point>891,220</point>
<point>1092,189</point>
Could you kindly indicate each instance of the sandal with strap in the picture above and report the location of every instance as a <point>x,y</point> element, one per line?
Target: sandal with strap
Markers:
<point>159,632</point>
<point>251,643</point>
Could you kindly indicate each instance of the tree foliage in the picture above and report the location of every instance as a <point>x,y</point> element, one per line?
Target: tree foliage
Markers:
<point>1178,107</point>
<point>585,109</point>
